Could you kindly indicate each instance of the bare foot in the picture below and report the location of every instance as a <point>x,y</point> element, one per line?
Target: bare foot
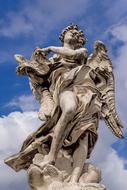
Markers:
<point>47,160</point>
<point>67,179</point>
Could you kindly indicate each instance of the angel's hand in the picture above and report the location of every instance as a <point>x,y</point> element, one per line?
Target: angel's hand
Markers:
<point>43,51</point>
<point>37,51</point>
<point>46,50</point>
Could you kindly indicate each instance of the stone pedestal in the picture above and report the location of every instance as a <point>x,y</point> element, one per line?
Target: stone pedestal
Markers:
<point>65,186</point>
<point>50,178</point>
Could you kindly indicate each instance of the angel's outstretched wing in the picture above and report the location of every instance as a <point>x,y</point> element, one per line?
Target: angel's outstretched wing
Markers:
<point>102,65</point>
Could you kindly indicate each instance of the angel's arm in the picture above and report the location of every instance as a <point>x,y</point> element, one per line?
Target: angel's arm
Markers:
<point>64,51</point>
<point>69,52</point>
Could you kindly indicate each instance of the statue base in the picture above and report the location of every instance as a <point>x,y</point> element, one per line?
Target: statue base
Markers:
<point>51,178</point>
<point>86,186</point>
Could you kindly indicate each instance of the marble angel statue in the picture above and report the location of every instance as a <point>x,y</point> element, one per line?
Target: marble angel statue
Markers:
<point>75,91</point>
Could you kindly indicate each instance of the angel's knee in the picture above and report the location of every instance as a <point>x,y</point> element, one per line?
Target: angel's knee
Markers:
<point>68,103</point>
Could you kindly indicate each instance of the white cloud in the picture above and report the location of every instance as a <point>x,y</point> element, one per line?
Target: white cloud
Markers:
<point>14,128</point>
<point>46,15</point>
<point>24,102</point>
<point>119,33</point>
<point>105,157</point>
<point>114,173</point>
<point>39,18</point>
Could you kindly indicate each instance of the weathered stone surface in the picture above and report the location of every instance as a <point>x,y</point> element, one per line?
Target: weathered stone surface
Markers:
<point>65,186</point>
<point>75,90</point>
<point>50,178</point>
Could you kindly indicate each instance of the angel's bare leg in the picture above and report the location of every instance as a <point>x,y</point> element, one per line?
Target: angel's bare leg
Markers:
<point>68,104</point>
<point>79,157</point>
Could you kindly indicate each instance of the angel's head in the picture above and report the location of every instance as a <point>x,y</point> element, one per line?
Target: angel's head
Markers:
<point>73,35</point>
<point>99,46</point>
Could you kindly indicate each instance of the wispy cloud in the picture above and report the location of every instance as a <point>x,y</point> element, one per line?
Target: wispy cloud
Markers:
<point>116,10</point>
<point>39,17</point>
<point>35,21</point>
<point>24,102</point>
<point>15,24</point>
<point>119,33</point>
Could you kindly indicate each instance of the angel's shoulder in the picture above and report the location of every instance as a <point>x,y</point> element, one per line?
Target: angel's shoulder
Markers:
<point>55,58</point>
<point>83,52</point>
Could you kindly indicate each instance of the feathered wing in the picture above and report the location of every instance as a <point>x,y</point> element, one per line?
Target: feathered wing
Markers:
<point>103,67</point>
<point>109,113</point>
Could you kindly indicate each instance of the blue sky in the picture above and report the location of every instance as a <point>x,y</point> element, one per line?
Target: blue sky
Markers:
<point>25,25</point>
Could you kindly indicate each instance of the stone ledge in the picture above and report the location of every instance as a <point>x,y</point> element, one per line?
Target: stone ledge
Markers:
<point>66,186</point>
<point>50,178</point>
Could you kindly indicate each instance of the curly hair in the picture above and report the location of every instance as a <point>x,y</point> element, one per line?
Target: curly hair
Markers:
<point>79,36</point>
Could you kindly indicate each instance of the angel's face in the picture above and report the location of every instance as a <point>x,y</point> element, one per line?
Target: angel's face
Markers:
<point>71,37</point>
